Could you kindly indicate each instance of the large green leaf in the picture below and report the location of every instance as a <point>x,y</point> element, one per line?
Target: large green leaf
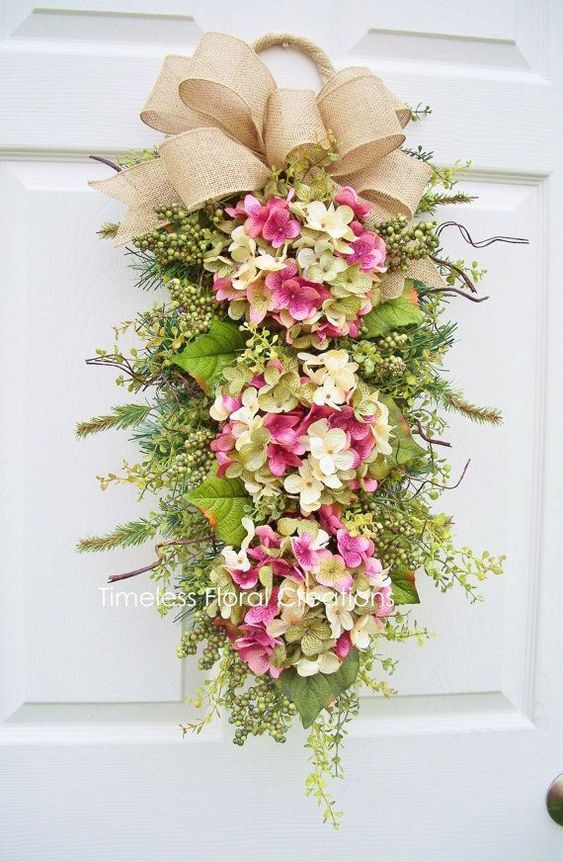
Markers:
<point>311,694</point>
<point>223,502</point>
<point>206,356</point>
<point>405,449</point>
<point>404,588</point>
<point>393,314</point>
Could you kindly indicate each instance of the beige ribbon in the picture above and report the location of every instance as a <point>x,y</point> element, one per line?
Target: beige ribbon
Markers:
<point>229,124</point>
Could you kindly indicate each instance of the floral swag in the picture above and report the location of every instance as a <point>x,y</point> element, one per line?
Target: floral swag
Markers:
<point>292,438</point>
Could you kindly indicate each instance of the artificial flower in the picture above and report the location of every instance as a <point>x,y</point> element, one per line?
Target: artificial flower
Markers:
<point>334,221</point>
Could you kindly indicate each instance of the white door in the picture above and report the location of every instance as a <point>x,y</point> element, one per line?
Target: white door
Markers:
<point>93,764</point>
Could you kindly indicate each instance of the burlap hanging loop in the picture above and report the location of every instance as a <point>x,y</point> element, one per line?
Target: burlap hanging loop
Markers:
<point>299,43</point>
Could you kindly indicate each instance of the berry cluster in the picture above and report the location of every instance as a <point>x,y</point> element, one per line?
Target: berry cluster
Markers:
<point>261,709</point>
<point>406,242</point>
<point>183,239</point>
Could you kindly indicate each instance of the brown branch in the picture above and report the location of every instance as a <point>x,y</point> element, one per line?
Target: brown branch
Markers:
<point>159,555</point>
<point>449,290</point>
<point>421,432</point>
<point>105,162</point>
<point>459,481</point>
<point>463,275</point>
<point>438,484</point>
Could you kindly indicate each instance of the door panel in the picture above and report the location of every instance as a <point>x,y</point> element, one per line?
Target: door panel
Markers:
<point>93,763</point>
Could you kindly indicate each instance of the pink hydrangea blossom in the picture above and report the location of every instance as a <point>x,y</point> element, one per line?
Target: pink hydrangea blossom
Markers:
<point>329,517</point>
<point>282,429</point>
<point>280,227</point>
<point>298,296</point>
<point>246,580</point>
<point>343,645</point>
<point>353,549</point>
<point>255,648</point>
<point>347,196</point>
<point>263,613</point>
<point>257,216</point>
<point>280,458</point>
<point>345,418</point>
<point>274,280</point>
<point>223,289</point>
<point>369,251</point>
<point>373,570</point>
<point>224,442</point>
<point>257,381</point>
<point>237,211</point>
<point>267,537</point>
<point>306,555</point>
<point>384,599</point>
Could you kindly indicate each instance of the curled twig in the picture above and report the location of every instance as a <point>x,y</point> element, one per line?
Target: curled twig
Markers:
<point>438,484</point>
<point>105,162</point>
<point>159,556</point>
<point>459,481</point>
<point>481,243</point>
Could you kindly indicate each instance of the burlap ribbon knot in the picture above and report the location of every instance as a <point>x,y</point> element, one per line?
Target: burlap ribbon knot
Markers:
<point>229,124</point>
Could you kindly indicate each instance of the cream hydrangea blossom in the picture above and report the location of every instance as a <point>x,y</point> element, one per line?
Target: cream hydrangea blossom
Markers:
<point>333,373</point>
<point>382,430</point>
<point>330,447</point>
<point>306,486</point>
<point>239,559</point>
<point>364,627</point>
<point>334,221</point>
<point>338,613</point>
<point>327,662</point>
<point>243,247</point>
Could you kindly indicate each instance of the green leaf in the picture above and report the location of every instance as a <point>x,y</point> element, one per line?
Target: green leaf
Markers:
<point>405,449</point>
<point>404,588</point>
<point>206,356</point>
<point>311,694</point>
<point>393,314</point>
<point>223,503</point>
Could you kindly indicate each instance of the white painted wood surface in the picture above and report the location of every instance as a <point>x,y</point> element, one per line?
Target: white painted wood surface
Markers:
<point>93,766</point>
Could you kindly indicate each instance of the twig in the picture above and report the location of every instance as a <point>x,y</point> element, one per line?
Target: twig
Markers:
<point>421,432</point>
<point>159,555</point>
<point>449,290</point>
<point>463,275</point>
<point>105,162</point>
<point>459,481</point>
<point>481,243</point>
<point>438,484</point>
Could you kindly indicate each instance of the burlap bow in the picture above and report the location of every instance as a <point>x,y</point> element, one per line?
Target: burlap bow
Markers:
<point>229,124</point>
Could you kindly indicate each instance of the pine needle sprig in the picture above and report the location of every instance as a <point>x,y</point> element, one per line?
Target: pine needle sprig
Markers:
<point>108,230</point>
<point>123,416</point>
<point>453,399</point>
<point>482,415</point>
<point>123,536</point>
<point>431,200</point>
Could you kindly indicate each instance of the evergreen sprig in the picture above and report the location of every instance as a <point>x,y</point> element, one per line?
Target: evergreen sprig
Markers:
<point>481,414</point>
<point>453,399</point>
<point>123,416</point>
<point>108,230</point>
<point>431,200</point>
<point>123,536</point>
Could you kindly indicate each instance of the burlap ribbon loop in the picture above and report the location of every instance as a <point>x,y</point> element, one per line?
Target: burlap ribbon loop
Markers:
<point>230,124</point>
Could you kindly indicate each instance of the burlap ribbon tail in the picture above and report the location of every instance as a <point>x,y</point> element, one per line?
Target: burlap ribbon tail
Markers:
<point>228,124</point>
